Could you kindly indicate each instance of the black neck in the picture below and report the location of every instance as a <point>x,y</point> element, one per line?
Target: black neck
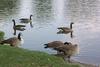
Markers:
<point>14,22</point>
<point>30,17</point>
<point>71,25</point>
<point>19,36</point>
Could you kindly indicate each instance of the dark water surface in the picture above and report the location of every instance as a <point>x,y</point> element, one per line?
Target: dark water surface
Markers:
<point>48,15</point>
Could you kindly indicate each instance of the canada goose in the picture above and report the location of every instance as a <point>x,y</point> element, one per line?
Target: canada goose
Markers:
<point>66,29</point>
<point>14,41</point>
<point>64,32</point>
<point>54,44</point>
<point>68,50</point>
<point>26,20</point>
<point>18,27</point>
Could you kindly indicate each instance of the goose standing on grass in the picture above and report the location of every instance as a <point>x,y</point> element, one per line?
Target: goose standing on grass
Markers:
<point>14,41</point>
<point>26,20</point>
<point>18,27</point>
<point>66,29</point>
<point>68,50</point>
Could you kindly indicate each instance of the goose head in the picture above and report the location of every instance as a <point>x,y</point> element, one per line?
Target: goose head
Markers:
<point>13,20</point>
<point>19,36</point>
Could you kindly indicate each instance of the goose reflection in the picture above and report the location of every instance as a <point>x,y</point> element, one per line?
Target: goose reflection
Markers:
<point>31,25</point>
<point>22,29</point>
<point>63,32</point>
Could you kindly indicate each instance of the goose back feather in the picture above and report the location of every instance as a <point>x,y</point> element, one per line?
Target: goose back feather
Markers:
<point>66,29</point>
<point>54,44</point>
<point>26,20</point>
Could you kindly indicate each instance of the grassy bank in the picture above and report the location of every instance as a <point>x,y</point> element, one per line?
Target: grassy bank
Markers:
<point>1,35</point>
<point>17,57</point>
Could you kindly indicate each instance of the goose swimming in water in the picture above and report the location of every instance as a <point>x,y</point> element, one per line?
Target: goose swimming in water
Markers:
<point>18,27</point>
<point>26,20</point>
<point>13,41</point>
<point>66,29</point>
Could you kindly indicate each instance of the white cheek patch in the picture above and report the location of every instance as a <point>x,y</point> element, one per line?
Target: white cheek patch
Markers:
<point>22,41</point>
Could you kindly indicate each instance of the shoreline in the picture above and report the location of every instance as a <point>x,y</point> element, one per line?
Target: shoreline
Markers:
<point>83,64</point>
<point>73,61</point>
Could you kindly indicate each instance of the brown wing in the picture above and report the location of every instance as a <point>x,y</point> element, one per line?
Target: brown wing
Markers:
<point>55,44</point>
<point>63,28</point>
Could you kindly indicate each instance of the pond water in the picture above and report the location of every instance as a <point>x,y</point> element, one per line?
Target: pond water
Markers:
<point>48,15</point>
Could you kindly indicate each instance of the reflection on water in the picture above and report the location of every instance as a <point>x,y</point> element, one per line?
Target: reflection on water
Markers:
<point>7,8</point>
<point>62,32</point>
<point>25,8</point>
<point>48,15</point>
<point>43,10</point>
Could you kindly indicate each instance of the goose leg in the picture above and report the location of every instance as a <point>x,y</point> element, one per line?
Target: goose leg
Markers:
<point>69,59</point>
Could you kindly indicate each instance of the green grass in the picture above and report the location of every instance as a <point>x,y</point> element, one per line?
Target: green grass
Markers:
<point>1,35</point>
<point>18,57</point>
